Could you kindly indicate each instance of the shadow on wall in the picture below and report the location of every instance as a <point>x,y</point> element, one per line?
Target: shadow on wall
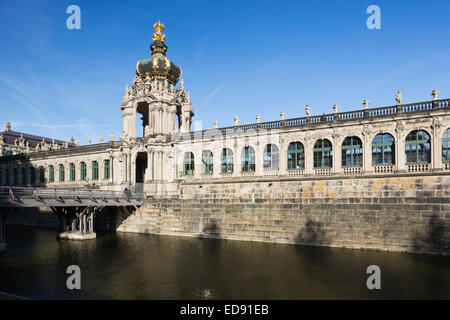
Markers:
<point>432,239</point>
<point>211,228</point>
<point>312,233</point>
<point>111,218</point>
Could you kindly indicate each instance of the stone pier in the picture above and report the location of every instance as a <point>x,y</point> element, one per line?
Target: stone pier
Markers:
<point>77,223</point>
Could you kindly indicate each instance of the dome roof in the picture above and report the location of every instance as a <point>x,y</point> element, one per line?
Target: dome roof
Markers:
<point>159,66</point>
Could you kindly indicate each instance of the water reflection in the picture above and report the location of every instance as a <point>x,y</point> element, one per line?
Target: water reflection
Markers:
<point>136,266</point>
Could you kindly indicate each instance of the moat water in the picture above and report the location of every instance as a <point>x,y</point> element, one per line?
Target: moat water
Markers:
<point>138,266</point>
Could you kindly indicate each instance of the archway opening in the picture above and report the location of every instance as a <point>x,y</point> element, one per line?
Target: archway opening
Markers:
<point>142,120</point>
<point>141,167</point>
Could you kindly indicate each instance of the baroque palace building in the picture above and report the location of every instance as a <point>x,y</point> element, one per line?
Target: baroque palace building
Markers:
<point>163,154</point>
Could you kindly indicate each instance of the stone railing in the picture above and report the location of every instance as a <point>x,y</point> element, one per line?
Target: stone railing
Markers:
<point>368,114</point>
<point>352,170</point>
<point>226,175</point>
<point>418,167</point>
<point>384,169</point>
<point>446,165</point>
<point>296,172</point>
<point>270,173</point>
<point>248,174</point>
<point>323,171</point>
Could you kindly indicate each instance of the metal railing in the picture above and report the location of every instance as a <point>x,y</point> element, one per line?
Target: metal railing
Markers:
<point>13,193</point>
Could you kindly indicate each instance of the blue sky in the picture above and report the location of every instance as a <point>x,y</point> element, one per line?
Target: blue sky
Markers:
<point>238,57</point>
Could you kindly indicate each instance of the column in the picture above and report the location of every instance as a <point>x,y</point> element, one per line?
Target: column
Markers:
<point>309,156</point>
<point>436,148</point>
<point>400,157</point>
<point>337,154</point>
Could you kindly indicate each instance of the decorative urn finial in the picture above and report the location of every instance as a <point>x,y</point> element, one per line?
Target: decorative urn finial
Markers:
<point>435,94</point>
<point>158,35</point>
<point>366,104</point>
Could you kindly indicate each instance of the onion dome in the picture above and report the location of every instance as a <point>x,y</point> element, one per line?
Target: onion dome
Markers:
<point>159,66</point>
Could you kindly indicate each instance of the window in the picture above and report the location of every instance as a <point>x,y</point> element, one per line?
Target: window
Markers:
<point>94,170</point>
<point>418,147</point>
<point>296,156</point>
<point>248,159</point>
<point>32,175</point>
<point>207,162</point>
<point>323,154</point>
<point>61,173</point>
<point>352,152</point>
<point>446,146</point>
<point>15,177</point>
<point>7,177</point>
<point>188,163</point>
<point>24,176</point>
<point>227,160</point>
<point>71,172</point>
<point>83,171</point>
<point>383,149</point>
<point>51,174</point>
<point>270,157</point>
<point>41,174</point>
<point>106,169</point>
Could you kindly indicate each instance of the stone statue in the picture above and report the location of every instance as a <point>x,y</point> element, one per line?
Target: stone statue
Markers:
<point>398,97</point>
<point>236,120</point>
<point>258,118</point>
<point>111,136</point>
<point>282,115</point>
<point>435,94</point>
<point>308,110</point>
<point>335,108</point>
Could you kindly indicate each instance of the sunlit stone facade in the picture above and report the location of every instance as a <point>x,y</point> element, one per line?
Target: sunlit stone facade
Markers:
<point>163,153</point>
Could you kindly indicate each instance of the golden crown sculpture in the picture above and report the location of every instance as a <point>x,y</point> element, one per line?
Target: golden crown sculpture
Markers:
<point>158,35</point>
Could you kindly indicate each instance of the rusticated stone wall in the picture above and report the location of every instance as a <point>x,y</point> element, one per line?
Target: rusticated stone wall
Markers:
<point>401,213</point>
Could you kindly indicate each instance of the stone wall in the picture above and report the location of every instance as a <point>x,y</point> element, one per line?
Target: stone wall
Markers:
<point>39,217</point>
<point>396,213</point>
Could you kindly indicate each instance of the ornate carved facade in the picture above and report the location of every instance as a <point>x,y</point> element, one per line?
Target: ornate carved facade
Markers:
<point>164,153</point>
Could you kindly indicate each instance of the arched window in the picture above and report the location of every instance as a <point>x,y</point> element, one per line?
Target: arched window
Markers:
<point>418,147</point>
<point>352,152</point>
<point>296,156</point>
<point>71,172</point>
<point>323,154</point>
<point>41,174</point>
<point>106,169</point>
<point>188,163</point>
<point>383,149</point>
<point>207,162</point>
<point>446,146</point>
<point>94,170</point>
<point>51,174</point>
<point>61,173</point>
<point>270,157</point>
<point>83,171</point>
<point>15,177</point>
<point>32,175</point>
<point>7,182</point>
<point>24,176</point>
<point>248,159</point>
<point>227,160</point>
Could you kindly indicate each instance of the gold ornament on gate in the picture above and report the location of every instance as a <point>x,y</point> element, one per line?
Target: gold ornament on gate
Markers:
<point>158,35</point>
